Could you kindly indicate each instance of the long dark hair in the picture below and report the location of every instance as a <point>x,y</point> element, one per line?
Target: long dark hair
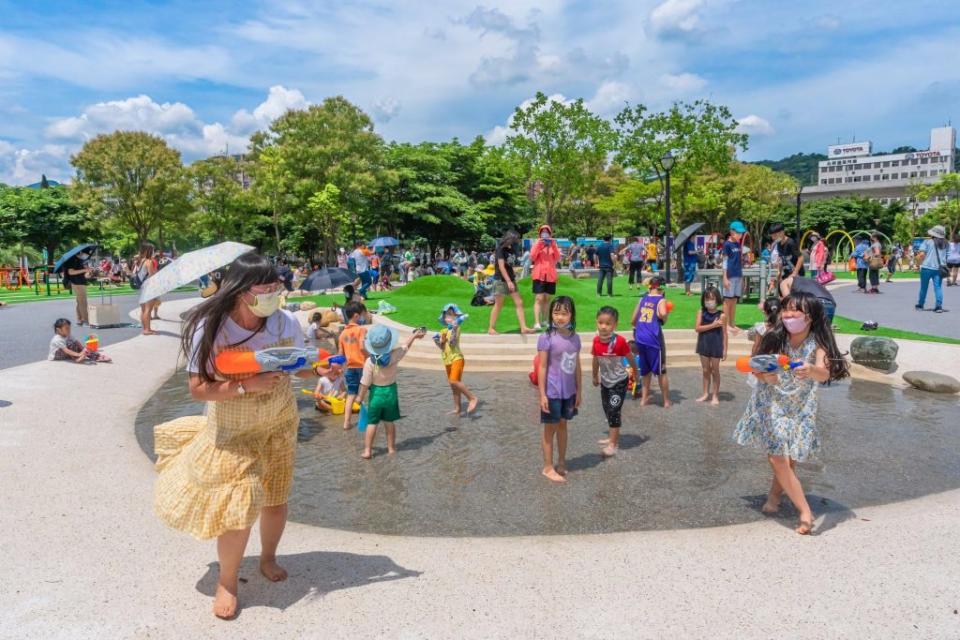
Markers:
<point>564,302</point>
<point>776,340</point>
<point>710,293</point>
<point>246,271</point>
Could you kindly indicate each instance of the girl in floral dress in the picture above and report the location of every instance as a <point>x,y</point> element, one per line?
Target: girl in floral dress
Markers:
<point>781,415</point>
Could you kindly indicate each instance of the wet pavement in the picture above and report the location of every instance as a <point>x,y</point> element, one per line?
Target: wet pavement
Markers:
<point>677,468</point>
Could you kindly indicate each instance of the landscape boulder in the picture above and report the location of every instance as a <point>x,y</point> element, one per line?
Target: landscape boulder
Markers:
<point>874,352</point>
<point>932,382</point>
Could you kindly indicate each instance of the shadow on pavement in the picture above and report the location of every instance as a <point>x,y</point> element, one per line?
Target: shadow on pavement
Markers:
<point>829,513</point>
<point>312,574</point>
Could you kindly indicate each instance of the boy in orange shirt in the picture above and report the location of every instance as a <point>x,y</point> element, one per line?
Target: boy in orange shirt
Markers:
<point>350,344</point>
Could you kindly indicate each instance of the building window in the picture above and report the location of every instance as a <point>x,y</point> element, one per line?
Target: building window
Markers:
<point>923,174</point>
<point>895,163</point>
<point>924,160</point>
<point>913,174</point>
<point>887,163</point>
<point>824,181</point>
<point>914,162</point>
<point>866,178</point>
<point>848,179</point>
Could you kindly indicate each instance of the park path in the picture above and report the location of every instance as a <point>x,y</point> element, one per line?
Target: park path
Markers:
<point>86,558</point>
<point>893,307</point>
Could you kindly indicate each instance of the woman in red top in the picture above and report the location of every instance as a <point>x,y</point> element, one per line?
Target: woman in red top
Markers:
<point>544,256</point>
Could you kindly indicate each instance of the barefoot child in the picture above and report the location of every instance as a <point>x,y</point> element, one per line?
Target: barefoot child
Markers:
<point>648,320</point>
<point>329,385</point>
<point>610,374</point>
<point>379,381</point>
<point>64,346</point>
<point>711,342</point>
<point>451,318</point>
<point>560,380</point>
<point>780,417</point>
<point>350,345</point>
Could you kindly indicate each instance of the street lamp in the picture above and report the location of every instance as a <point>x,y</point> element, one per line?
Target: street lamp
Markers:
<point>799,191</point>
<point>666,163</point>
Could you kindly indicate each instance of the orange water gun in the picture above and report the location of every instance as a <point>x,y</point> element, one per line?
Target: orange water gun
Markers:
<point>286,359</point>
<point>766,363</point>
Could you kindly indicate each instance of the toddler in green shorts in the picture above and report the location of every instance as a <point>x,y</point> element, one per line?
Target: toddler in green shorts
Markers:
<point>379,382</point>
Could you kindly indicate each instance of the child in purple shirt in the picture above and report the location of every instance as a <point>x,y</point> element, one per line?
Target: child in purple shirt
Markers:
<point>560,382</point>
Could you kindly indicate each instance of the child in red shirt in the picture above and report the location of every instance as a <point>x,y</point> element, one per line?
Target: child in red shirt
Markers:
<point>610,373</point>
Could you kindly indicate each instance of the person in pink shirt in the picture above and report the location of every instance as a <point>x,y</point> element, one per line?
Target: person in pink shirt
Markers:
<point>818,254</point>
<point>544,257</point>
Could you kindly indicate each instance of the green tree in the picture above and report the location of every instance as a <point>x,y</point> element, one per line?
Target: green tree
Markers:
<point>700,135</point>
<point>44,218</point>
<point>757,194</point>
<point>222,209</point>
<point>634,204</point>
<point>327,215</point>
<point>330,143</point>
<point>946,212</point>
<point>564,149</point>
<point>132,179</point>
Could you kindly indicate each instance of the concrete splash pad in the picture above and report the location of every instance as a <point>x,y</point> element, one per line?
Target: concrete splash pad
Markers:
<point>677,468</point>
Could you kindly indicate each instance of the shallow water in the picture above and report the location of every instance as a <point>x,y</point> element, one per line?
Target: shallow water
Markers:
<point>677,468</point>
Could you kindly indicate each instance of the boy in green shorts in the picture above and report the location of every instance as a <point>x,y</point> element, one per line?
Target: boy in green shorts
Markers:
<point>379,380</point>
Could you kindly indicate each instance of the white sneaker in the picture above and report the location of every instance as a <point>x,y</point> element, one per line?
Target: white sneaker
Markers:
<point>537,327</point>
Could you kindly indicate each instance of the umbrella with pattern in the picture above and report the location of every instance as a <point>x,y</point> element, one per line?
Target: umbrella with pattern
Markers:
<point>190,267</point>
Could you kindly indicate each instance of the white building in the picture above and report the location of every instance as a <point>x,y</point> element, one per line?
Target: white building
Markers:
<point>851,170</point>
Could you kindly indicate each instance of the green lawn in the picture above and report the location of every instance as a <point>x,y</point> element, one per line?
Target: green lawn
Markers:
<point>899,275</point>
<point>419,303</point>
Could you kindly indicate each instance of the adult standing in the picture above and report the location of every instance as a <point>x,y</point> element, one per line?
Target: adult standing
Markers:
<point>860,251</point>
<point>76,272</point>
<point>361,266</point>
<point>635,260</point>
<point>591,254</point>
<point>791,259</point>
<point>544,256</point>
<point>953,260</point>
<point>690,262</point>
<point>605,264</point>
<point>875,262</point>
<point>818,255</point>
<point>147,267</point>
<point>218,473</point>
<point>933,266</point>
<point>504,282</point>
<point>896,253</point>
<point>342,258</point>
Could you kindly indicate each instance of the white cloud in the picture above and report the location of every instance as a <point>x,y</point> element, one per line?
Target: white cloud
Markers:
<point>828,22</point>
<point>610,98</point>
<point>682,82</point>
<point>278,102</point>
<point>24,166</point>
<point>175,122</point>
<point>676,17</point>
<point>754,125</point>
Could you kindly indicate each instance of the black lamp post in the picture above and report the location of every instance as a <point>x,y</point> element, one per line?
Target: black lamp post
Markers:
<point>799,191</point>
<point>666,163</point>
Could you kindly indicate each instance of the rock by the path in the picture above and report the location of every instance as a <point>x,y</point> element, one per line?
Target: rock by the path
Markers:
<point>307,305</point>
<point>932,382</point>
<point>875,353</point>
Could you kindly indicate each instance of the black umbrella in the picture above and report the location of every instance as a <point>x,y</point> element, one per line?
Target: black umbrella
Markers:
<point>69,254</point>
<point>685,234</point>
<point>328,278</point>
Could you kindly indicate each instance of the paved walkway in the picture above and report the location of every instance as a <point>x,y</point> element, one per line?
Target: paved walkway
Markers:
<point>84,556</point>
<point>893,307</point>
<point>27,327</point>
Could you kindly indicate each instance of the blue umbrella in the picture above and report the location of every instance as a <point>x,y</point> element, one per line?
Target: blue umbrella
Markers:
<point>385,241</point>
<point>69,254</point>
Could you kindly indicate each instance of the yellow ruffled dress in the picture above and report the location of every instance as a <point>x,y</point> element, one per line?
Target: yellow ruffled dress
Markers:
<point>217,471</point>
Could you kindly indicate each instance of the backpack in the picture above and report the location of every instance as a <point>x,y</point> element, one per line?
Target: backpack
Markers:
<point>137,279</point>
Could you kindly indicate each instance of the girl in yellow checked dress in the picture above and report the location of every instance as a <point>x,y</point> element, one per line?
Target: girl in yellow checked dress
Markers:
<point>219,472</point>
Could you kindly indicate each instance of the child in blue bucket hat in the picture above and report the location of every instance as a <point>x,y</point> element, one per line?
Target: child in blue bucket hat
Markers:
<point>379,381</point>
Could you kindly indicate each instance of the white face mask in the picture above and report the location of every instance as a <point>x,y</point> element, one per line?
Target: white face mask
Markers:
<point>264,304</point>
<point>710,305</point>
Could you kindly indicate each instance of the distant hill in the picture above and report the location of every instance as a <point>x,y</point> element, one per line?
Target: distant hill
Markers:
<point>802,166</point>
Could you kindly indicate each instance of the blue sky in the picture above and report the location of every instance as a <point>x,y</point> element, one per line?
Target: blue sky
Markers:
<point>204,75</point>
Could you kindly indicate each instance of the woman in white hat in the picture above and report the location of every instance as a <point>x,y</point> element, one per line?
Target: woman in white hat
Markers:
<point>933,266</point>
